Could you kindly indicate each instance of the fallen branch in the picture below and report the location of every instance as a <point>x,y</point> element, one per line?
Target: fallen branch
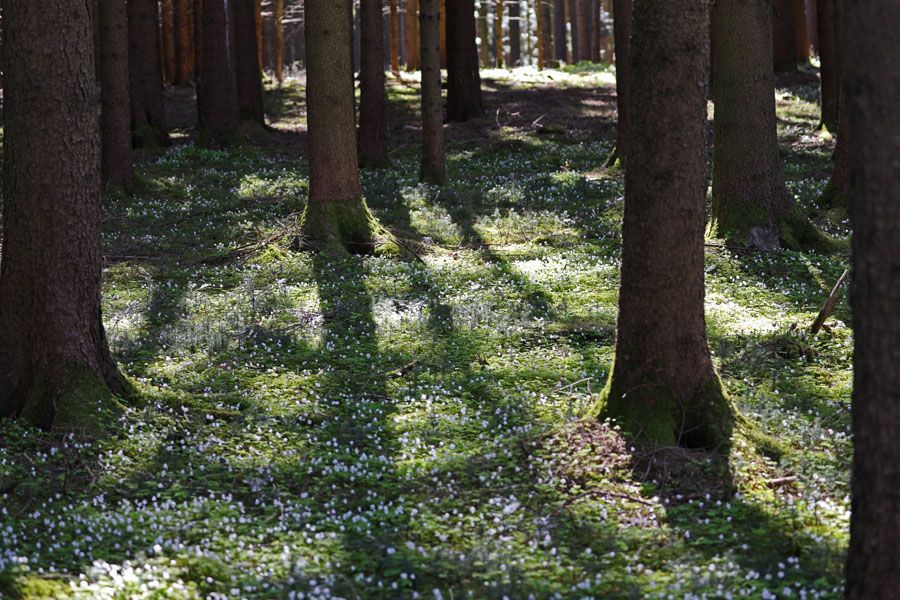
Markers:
<point>829,305</point>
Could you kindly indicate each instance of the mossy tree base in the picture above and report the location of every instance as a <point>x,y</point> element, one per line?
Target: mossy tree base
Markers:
<point>344,226</point>
<point>797,232</point>
<point>792,231</point>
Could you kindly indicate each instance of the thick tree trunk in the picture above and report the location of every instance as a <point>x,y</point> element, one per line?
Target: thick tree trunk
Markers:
<point>873,86</point>
<point>663,387</point>
<point>336,216</point>
<point>559,30</point>
<point>217,108</point>
<point>249,77</point>
<point>168,39</point>
<point>115,110</point>
<point>828,59</point>
<point>432,169</point>
<point>464,99</point>
<point>783,44</point>
<point>801,32</point>
<point>148,114</point>
<point>372,119</point>
<point>751,205</point>
<point>622,15</point>
<point>596,30</point>
<point>184,42</point>
<point>55,366</point>
<point>279,41</point>
<point>515,34</point>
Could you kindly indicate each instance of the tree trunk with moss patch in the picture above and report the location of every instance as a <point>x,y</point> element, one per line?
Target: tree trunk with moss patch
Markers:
<point>55,366</point>
<point>464,100</point>
<point>249,76</point>
<point>217,108</point>
<point>751,204</point>
<point>372,105</point>
<point>432,168</point>
<point>873,86</point>
<point>148,114</point>
<point>622,16</point>
<point>663,387</point>
<point>115,109</point>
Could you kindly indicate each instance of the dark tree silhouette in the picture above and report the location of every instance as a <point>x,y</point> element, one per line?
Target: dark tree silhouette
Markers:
<point>372,106</point>
<point>432,168</point>
<point>249,77</point>
<point>217,108</point>
<point>148,114</point>
<point>828,71</point>
<point>115,104</point>
<point>464,99</point>
<point>622,16</point>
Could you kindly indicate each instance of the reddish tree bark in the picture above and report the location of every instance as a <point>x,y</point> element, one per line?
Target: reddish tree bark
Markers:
<point>464,100</point>
<point>432,169</point>
<point>55,366</point>
<point>115,109</point>
<point>583,20</point>
<point>148,114</point>
<point>279,41</point>
<point>395,38</point>
<point>873,86</point>
<point>372,109</point>
<point>412,35</point>
<point>249,76</point>
<point>801,32</point>
<point>184,42</point>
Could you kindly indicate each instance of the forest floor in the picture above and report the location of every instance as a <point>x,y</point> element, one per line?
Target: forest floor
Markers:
<point>372,427</point>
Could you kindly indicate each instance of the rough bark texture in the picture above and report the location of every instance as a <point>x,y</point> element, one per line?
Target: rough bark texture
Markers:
<point>873,86</point>
<point>540,21</point>
<point>55,366</point>
<point>432,169</point>
<point>622,15</point>
<point>828,71</point>
<point>336,216</point>
<point>249,77</point>
<point>148,114</point>
<point>751,205</point>
<point>412,35</point>
<point>464,100</point>
<point>559,30</point>
<point>498,33</point>
<point>184,42</point>
<point>115,111</point>
<point>372,119</point>
<point>515,34</point>
<point>217,108</point>
<point>167,22</point>
<point>783,44</point>
<point>663,387</point>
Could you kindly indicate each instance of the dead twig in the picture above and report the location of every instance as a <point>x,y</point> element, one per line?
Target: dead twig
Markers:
<point>829,305</point>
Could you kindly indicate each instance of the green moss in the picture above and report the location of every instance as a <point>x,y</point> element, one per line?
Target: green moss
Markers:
<point>345,226</point>
<point>28,586</point>
<point>797,232</point>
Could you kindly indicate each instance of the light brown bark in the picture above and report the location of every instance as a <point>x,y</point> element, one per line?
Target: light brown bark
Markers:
<point>412,35</point>
<point>395,39</point>
<point>498,34</point>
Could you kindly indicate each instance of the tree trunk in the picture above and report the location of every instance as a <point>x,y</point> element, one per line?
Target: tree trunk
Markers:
<point>184,42</point>
<point>596,29</point>
<point>498,34</point>
<point>608,36</point>
<point>801,32</point>
<point>622,15</point>
<point>812,26</point>
<point>395,39</point>
<point>372,119</point>
<point>55,366</point>
<point>260,40</point>
<point>828,60</point>
<point>783,44</point>
<point>751,205</point>
<point>336,217</point>
<point>663,387</point>
<point>873,86</point>
<point>217,108</point>
<point>412,35</point>
<point>572,11</point>
<point>484,35</point>
<point>168,39</point>
<point>464,99</point>
<point>442,33</point>
<point>559,30</point>
<point>148,114</point>
<point>249,77</point>
<point>515,34</point>
<point>837,190</point>
<point>541,36</point>
<point>279,41</point>
<point>583,20</point>
<point>115,111</point>
<point>432,169</point>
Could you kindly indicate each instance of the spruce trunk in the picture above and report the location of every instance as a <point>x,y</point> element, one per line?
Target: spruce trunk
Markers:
<point>464,99</point>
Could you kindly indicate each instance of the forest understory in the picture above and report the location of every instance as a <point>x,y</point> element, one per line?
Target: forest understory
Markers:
<point>382,426</point>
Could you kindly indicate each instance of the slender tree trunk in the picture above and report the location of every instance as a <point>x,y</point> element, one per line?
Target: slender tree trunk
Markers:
<point>442,33</point>
<point>837,190</point>
<point>783,44</point>
<point>115,110</point>
<point>596,30</point>
<point>412,35</point>
<point>515,34</point>
<point>55,365</point>
<point>751,205</point>
<point>168,39</point>
<point>559,30</point>
<point>801,32</point>
<point>432,168</point>
<point>622,14</point>
<point>184,42</point>
<point>608,36</point>
<point>217,107</point>
<point>583,20</point>
<point>249,76</point>
<point>663,387</point>
<point>484,47</point>
<point>260,40</point>
<point>541,36</point>
<point>395,39</point>
<point>572,13</point>
<point>828,58</point>
<point>812,25</point>
<point>873,86</point>
<point>498,34</point>
<point>279,41</point>
<point>148,114</point>
<point>336,217</point>
<point>372,119</point>
<point>464,99</point>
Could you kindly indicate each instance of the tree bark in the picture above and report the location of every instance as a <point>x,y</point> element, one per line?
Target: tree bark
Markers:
<point>249,76</point>
<point>515,34</point>
<point>541,36</point>
<point>801,32</point>
<point>484,34</point>
<point>412,35</point>
<point>663,387</point>
<point>260,40</point>
<point>395,39</point>
<point>115,110</point>
<point>572,11</point>
<point>828,71</point>
<point>596,29</point>
<point>583,20</point>
<point>372,119</point>
<point>751,205</point>
<point>464,100</point>
<point>873,86</point>
<point>55,366</point>
<point>622,16</point>
<point>167,22</point>
<point>148,114</point>
<point>279,41</point>
<point>498,34</point>
<point>559,30</point>
<point>783,44</point>
<point>837,191</point>
<point>432,169</point>
<point>217,107</point>
<point>184,42</point>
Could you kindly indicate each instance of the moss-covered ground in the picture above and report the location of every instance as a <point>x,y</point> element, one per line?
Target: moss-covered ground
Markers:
<point>315,426</point>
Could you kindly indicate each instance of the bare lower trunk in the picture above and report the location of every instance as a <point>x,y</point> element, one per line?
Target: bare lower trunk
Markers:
<point>432,168</point>
<point>837,191</point>
<point>148,115</point>
<point>622,16</point>
<point>873,86</point>
<point>372,119</point>
<point>828,71</point>
<point>217,109</point>
<point>559,30</point>
<point>412,35</point>
<point>464,100</point>
<point>249,77</point>
<point>167,22</point>
<point>515,34</point>
<point>783,44</point>
<point>184,42</point>
<point>115,110</point>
